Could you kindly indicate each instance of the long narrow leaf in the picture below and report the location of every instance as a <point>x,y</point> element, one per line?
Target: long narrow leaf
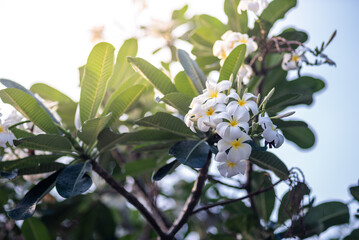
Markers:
<point>91,129</point>
<point>45,142</point>
<point>232,63</point>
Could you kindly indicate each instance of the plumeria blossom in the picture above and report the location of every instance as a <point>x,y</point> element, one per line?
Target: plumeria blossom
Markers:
<point>213,93</point>
<point>244,74</point>
<point>237,147</point>
<point>6,136</point>
<point>229,168</point>
<point>208,116</point>
<point>252,5</point>
<point>293,60</point>
<point>270,133</point>
<point>234,123</point>
<point>244,102</point>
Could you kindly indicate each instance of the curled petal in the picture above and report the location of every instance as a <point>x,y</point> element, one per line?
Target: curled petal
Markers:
<point>223,145</point>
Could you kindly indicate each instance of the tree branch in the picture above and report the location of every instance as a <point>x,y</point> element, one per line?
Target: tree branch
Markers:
<point>129,197</point>
<point>222,203</point>
<point>192,200</point>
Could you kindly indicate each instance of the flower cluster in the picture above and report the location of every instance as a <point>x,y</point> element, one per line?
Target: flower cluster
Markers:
<point>223,110</point>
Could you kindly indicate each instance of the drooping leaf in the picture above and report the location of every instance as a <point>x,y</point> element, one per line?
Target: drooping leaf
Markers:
<point>264,202</point>
<point>121,100</point>
<point>32,164</point>
<point>45,142</point>
<point>98,70</point>
<point>291,202</point>
<point>268,160</point>
<point>66,107</point>
<point>26,207</point>
<point>11,84</point>
<point>91,128</point>
<point>29,108</point>
<point>355,192</point>
<point>233,63</point>
<point>164,170</point>
<point>192,70</point>
<point>155,76</point>
<point>122,69</point>
<point>179,101</point>
<point>74,180</point>
<point>185,85</point>
<point>191,153</point>
<point>166,122</point>
<point>34,229</point>
<point>237,22</point>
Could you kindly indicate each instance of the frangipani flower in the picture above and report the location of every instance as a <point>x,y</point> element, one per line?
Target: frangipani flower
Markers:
<point>271,135</point>
<point>230,168</point>
<point>232,127</point>
<point>6,136</point>
<point>208,117</point>
<point>292,61</point>
<point>238,149</point>
<point>213,92</point>
<point>244,73</point>
<point>252,5</point>
<point>243,102</point>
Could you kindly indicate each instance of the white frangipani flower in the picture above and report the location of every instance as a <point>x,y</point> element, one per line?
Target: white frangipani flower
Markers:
<point>6,136</point>
<point>232,127</point>
<point>220,49</point>
<point>208,116</point>
<point>292,61</point>
<point>213,93</point>
<point>245,73</point>
<point>229,168</point>
<point>252,5</point>
<point>244,102</point>
<point>236,38</point>
<point>238,149</point>
<point>270,133</point>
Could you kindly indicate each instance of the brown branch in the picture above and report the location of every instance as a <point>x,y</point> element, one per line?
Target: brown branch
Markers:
<point>129,197</point>
<point>192,200</point>
<point>222,203</point>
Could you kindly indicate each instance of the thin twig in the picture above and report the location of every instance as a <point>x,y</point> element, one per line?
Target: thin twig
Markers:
<point>129,197</point>
<point>222,203</point>
<point>192,200</point>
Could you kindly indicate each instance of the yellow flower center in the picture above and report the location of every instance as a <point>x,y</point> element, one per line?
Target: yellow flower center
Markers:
<point>236,143</point>
<point>242,102</point>
<point>210,111</point>
<point>244,41</point>
<point>233,123</point>
<point>1,129</point>
<point>213,94</point>
<point>230,164</point>
<point>295,58</point>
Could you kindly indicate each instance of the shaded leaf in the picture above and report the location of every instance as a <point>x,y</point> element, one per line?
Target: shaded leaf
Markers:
<point>264,202</point>
<point>354,235</point>
<point>355,192</point>
<point>269,161</point>
<point>45,142</point>
<point>164,170</point>
<point>34,229</point>
<point>191,153</point>
<point>91,128</point>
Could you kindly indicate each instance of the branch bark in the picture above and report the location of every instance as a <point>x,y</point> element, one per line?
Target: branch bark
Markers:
<point>129,197</point>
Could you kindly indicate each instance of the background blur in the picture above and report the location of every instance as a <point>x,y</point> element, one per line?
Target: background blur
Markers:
<point>46,41</point>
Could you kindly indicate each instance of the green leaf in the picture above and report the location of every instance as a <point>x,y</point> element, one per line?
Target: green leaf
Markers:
<point>122,69</point>
<point>294,35</point>
<point>191,153</point>
<point>354,235</point>
<point>98,70</point>
<point>122,100</point>
<point>26,207</point>
<point>166,122</point>
<point>275,11</point>
<point>155,76</point>
<point>355,192</point>
<point>178,100</point>
<point>165,170</point>
<point>34,229</point>
<point>237,22</point>
<point>269,161</point>
<point>215,26</point>
<point>264,202</point>
<point>29,108</point>
<point>66,107</point>
<point>303,137</point>
<point>139,167</point>
<point>11,84</point>
<point>32,164</point>
<point>185,85</point>
<point>107,139</point>
<point>19,133</point>
<point>233,63</point>
<point>204,36</point>
<point>91,129</point>
<point>45,142</point>
<point>192,70</point>
<point>74,180</point>
<point>179,15</point>
<point>291,202</point>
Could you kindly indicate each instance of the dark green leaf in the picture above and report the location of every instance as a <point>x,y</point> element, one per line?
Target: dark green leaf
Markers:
<point>74,180</point>
<point>355,192</point>
<point>233,63</point>
<point>264,202</point>
<point>294,35</point>
<point>164,170</point>
<point>91,128</point>
<point>303,137</point>
<point>34,229</point>
<point>268,160</point>
<point>45,142</point>
<point>354,235</point>
<point>26,207</point>
<point>191,153</point>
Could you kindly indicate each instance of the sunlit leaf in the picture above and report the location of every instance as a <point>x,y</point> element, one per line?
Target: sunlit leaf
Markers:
<point>91,128</point>
<point>185,85</point>
<point>179,101</point>
<point>237,22</point>
<point>233,63</point>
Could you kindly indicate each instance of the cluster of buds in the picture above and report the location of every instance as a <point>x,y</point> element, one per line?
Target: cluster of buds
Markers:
<point>222,110</point>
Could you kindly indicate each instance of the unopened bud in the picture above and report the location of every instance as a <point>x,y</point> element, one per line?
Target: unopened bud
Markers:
<point>209,124</point>
<point>266,99</point>
<point>283,115</point>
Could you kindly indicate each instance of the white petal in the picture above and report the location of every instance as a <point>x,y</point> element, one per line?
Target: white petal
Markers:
<point>222,169</point>
<point>279,141</point>
<point>269,135</point>
<point>242,166</point>
<point>235,132</point>
<point>221,157</point>
<point>245,126</point>
<point>223,145</point>
<point>252,106</point>
<point>224,85</point>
